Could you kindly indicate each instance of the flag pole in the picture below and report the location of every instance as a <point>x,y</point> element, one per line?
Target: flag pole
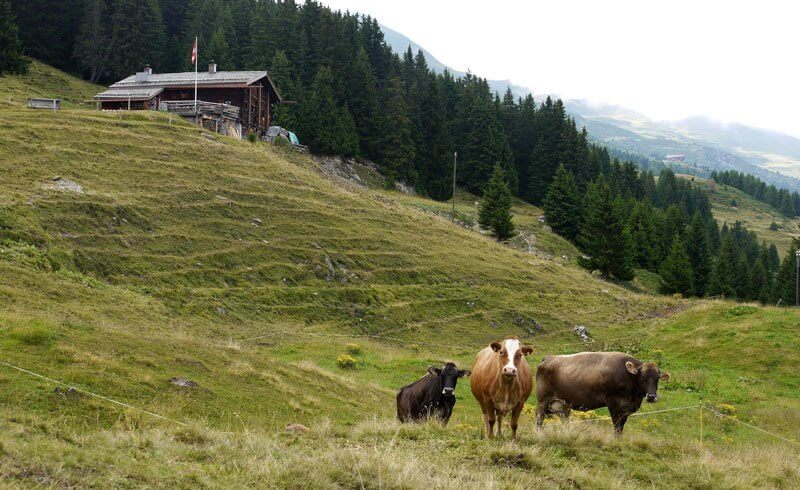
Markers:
<point>196,60</point>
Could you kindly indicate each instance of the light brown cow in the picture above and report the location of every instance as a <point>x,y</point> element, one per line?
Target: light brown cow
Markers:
<point>591,380</point>
<point>501,382</point>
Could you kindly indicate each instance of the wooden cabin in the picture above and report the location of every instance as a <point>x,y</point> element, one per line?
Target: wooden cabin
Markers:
<point>250,93</point>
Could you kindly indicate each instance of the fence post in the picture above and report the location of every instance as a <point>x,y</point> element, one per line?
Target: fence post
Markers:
<point>702,409</point>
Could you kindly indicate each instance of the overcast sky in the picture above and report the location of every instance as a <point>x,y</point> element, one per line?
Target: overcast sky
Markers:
<point>730,60</point>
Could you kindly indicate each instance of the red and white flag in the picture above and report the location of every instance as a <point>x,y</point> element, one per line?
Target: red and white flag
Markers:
<point>194,51</point>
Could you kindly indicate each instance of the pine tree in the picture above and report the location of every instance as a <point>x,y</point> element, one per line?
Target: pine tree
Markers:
<point>329,125</point>
<point>774,258</point>
<point>47,31</point>
<point>760,280</point>
<point>398,147</point>
<point>643,236</point>
<point>495,211</point>
<point>11,58</point>
<point>787,204</point>
<point>741,282</point>
<point>363,103</point>
<point>676,271</point>
<point>785,279</point>
<point>699,252</point>
<point>603,235</point>
<point>217,49</point>
<point>288,86</point>
<point>94,47</point>
<point>562,205</point>
<point>138,34</point>
<point>723,274</point>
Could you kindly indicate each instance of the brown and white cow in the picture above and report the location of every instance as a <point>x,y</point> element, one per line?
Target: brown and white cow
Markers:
<point>591,380</point>
<point>501,381</point>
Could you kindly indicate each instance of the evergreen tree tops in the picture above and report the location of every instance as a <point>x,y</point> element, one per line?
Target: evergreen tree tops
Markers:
<point>780,199</point>
<point>604,236</point>
<point>676,272</point>
<point>495,210</point>
<point>11,58</point>
<point>562,205</point>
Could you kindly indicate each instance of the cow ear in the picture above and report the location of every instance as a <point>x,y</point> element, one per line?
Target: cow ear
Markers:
<point>434,371</point>
<point>464,372</point>
<point>631,367</point>
<point>496,346</point>
<point>527,350</point>
<point>664,376</point>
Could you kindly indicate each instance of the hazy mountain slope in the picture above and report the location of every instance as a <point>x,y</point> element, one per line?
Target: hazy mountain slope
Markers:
<point>705,144</point>
<point>736,135</point>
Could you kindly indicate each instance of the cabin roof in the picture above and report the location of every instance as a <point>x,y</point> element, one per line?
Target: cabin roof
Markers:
<point>129,93</point>
<point>186,79</point>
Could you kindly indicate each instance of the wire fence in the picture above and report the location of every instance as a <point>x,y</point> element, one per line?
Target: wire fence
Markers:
<point>93,394</point>
<point>700,407</point>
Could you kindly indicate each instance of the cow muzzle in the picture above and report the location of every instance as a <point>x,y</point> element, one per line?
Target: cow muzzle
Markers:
<point>447,391</point>
<point>509,372</point>
<point>651,398</point>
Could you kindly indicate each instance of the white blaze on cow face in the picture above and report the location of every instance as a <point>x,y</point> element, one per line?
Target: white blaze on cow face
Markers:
<point>511,348</point>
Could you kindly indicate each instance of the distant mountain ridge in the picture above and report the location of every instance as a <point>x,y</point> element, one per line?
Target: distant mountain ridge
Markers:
<point>708,145</point>
<point>400,43</point>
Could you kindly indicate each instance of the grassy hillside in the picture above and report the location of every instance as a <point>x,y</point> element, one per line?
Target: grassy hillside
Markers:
<point>244,269</point>
<point>754,214</point>
<point>44,81</point>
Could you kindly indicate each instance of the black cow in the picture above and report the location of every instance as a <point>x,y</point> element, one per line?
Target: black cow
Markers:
<point>431,395</point>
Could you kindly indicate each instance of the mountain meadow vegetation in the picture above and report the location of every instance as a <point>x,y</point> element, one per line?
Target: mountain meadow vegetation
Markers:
<point>171,299</point>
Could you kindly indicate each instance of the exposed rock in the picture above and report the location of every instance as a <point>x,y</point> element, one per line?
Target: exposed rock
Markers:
<point>64,185</point>
<point>530,325</point>
<point>582,332</point>
<point>405,188</point>
<point>222,310</point>
<point>296,429</point>
<point>356,171</point>
<point>68,392</point>
<point>183,382</point>
<point>256,222</point>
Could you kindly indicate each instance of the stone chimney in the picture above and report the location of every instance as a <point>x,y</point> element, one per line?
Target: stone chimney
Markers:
<point>212,67</point>
<point>142,76</point>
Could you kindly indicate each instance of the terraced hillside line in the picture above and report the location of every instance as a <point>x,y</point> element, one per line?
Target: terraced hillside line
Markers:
<point>182,211</point>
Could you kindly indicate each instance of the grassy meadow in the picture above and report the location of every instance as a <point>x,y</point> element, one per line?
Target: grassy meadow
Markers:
<point>244,269</point>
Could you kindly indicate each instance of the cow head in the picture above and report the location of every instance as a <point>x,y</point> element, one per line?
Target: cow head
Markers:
<point>448,374</point>
<point>647,376</point>
<point>509,355</point>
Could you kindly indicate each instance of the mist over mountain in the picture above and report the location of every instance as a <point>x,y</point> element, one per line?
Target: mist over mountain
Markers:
<point>400,43</point>
<point>707,144</point>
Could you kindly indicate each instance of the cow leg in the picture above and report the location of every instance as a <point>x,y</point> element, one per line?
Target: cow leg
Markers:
<point>622,419</point>
<point>488,417</point>
<point>499,424</point>
<point>618,417</point>
<point>541,412</point>
<point>564,414</point>
<point>515,420</point>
